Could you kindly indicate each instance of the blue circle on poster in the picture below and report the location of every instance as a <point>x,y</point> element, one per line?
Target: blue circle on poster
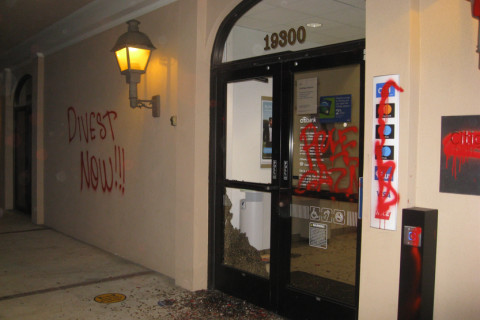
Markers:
<point>386,151</point>
<point>387,131</point>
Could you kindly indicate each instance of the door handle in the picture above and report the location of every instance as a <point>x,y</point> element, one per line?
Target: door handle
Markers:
<point>285,170</point>
<point>274,169</point>
<point>284,204</point>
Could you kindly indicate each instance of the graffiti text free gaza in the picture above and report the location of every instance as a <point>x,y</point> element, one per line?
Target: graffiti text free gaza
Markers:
<point>90,125</point>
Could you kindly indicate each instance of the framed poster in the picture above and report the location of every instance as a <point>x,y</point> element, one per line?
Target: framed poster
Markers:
<point>267,132</point>
<point>460,155</point>
<point>335,109</point>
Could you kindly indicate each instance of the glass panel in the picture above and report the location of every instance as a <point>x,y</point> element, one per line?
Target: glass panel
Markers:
<point>249,130</point>
<point>247,231</point>
<point>138,58</point>
<point>122,59</point>
<point>324,247</point>
<point>274,26</point>
<point>324,209</point>
<point>326,130</point>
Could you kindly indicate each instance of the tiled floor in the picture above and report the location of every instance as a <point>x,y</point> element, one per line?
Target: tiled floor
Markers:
<point>47,275</point>
<point>337,263</point>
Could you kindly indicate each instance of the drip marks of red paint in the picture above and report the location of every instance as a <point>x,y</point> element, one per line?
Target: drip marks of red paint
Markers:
<point>90,126</point>
<point>462,146</point>
<point>106,171</point>
<point>387,195</point>
<point>418,275</point>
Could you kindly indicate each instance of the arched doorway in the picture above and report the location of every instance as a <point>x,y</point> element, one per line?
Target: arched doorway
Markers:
<point>286,155</point>
<point>23,145</point>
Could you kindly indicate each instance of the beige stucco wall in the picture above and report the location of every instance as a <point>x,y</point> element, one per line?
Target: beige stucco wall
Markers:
<point>203,19</point>
<point>450,86</point>
<point>388,48</point>
<point>160,218</point>
<point>135,218</point>
<point>6,145</point>
<point>431,45</point>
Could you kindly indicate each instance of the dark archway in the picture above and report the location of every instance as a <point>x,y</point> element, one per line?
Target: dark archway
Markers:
<point>23,145</point>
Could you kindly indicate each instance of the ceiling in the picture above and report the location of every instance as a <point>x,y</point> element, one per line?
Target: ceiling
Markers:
<point>46,26</point>
<point>22,19</point>
<point>341,20</point>
<point>30,26</point>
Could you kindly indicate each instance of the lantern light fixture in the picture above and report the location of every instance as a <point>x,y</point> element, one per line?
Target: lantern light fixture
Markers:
<point>133,50</point>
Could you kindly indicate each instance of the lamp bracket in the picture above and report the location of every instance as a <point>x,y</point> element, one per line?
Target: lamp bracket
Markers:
<point>154,105</point>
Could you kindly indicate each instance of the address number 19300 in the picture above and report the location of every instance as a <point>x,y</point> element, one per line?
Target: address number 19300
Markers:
<point>282,38</point>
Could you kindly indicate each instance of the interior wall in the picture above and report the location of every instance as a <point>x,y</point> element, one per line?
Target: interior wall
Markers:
<point>244,150</point>
<point>244,131</point>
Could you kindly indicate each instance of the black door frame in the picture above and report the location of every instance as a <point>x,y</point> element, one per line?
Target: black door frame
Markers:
<point>293,302</point>
<point>268,294</point>
<point>261,291</point>
<point>259,287</point>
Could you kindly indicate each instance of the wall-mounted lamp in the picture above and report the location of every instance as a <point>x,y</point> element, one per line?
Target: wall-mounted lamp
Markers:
<point>133,49</point>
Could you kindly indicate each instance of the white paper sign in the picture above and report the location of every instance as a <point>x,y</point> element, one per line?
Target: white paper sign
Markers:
<point>386,106</point>
<point>307,96</point>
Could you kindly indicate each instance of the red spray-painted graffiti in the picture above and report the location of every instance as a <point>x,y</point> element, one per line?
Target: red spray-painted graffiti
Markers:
<point>97,172</point>
<point>86,125</point>
<point>111,174</point>
<point>387,195</point>
<point>315,144</point>
<point>462,145</point>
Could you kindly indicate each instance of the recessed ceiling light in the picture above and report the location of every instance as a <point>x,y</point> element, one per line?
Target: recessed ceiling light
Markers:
<point>314,25</point>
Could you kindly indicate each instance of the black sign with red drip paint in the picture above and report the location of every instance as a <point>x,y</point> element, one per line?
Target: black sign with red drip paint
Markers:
<point>460,155</point>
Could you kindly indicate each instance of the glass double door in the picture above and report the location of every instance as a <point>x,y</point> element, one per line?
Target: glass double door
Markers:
<point>286,221</point>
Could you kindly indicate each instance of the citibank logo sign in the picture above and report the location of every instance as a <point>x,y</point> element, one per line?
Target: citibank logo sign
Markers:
<point>308,120</point>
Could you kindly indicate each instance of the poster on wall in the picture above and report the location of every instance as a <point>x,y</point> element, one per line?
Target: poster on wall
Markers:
<point>307,91</point>
<point>267,132</point>
<point>460,155</point>
<point>335,109</point>
<point>318,235</point>
<point>386,103</point>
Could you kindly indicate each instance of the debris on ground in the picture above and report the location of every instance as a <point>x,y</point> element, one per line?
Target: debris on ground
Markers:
<point>238,252</point>
<point>212,304</point>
